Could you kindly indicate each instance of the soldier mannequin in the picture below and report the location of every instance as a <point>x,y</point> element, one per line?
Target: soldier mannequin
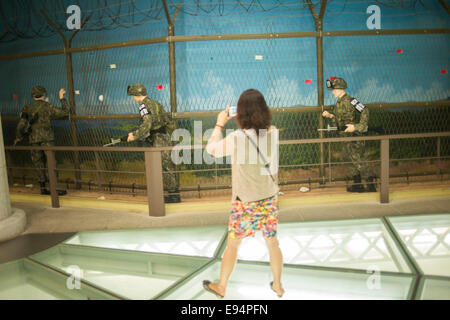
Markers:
<point>156,129</point>
<point>345,114</point>
<point>35,120</point>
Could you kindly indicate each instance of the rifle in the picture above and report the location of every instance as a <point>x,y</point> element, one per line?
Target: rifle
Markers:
<point>116,141</point>
<point>378,129</point>
<point>25,131</point>
<point>329,129</point>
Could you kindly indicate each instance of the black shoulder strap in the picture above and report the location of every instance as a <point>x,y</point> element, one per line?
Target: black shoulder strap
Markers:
<point>24,115</point>
<point>266,164</point>
<point>35,115</point>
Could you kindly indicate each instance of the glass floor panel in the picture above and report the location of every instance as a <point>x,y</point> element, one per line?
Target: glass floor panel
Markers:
<point>192,241</point>
<point>356,244</point>
<point>427,238</point>
<point>16,284</point>
<point>323,260</point>
<point>251,282</point>
<point>436,289</point>
<point>133,275</point>
<point>26,280</point>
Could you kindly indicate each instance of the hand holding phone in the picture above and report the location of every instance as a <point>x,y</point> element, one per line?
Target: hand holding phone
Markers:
<point>232,111</point>
<point>226,115</point>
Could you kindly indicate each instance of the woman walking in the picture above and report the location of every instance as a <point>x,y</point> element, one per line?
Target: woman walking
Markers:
<point>254,184</point>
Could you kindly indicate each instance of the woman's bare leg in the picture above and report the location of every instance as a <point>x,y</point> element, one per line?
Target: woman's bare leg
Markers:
<point>276,263</point>
<point>227,266</point>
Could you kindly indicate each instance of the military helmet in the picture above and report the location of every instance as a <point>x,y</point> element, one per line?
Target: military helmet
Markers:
<point>336,83</point>
<point>137,90</point>
<point>38,91</point>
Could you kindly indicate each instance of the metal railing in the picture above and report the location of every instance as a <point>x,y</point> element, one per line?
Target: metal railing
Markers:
<point>154,172</point>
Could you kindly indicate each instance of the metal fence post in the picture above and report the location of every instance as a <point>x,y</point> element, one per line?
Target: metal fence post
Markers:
<point>172,70</point>
<point>155,187</point>
<point>384,188</point>
<point>318,22</point>
<point>51,166</point>
<point>70,89</point>
<point>98,168</point>
<point>438,154</point>
<point>329,163</point>
<point>73,123</point>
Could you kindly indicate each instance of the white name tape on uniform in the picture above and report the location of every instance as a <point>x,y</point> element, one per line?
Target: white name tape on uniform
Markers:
<point>143,110</point>
<point>358,105</point>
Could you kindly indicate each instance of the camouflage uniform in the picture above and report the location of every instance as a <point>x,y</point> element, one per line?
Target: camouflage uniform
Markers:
<point>345,113</point>
<point>38,116</point>
<point>353,152</point>
<point>156,129</point>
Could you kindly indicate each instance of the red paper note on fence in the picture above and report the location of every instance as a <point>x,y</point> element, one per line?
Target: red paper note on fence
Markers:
<point>308,80</point>
<point>399,50</point>
<point>159,86</point>
<point>444,71</point>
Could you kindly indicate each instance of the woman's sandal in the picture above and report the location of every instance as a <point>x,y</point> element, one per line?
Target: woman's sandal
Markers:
<point>206,284</point>
<point>271,287</point>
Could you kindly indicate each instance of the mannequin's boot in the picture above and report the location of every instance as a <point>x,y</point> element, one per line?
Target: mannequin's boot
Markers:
<point>356,186</point>
<point>370,185</point>
<point>44,190</point>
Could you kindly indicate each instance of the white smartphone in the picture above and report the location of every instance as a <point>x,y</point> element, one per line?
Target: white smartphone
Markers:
<point>232,111</point>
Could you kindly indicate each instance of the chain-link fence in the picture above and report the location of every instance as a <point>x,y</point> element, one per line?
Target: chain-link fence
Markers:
<point>221,48</point>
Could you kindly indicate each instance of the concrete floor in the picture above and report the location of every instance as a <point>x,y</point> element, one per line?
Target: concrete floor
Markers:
<point>79,214</point>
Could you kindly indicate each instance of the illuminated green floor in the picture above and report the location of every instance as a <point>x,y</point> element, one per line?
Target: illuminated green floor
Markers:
<point>405,257</point>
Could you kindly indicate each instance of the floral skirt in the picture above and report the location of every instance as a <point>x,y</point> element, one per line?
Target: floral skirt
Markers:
<point>247,218</point>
